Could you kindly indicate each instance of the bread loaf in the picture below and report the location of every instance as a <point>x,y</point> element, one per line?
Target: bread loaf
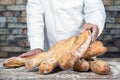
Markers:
<point>100,67</point>
<point>49,64</point>
<point>14,62</point>
<point>81,65</point>
<point>95,49</point>
<point>76,51</point>
<point>33,63</point>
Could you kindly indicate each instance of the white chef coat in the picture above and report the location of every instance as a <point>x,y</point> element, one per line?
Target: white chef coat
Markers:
<point>61,19</point>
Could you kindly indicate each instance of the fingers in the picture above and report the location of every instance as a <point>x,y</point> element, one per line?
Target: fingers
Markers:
<point>94,29</point>
<point>95,32</point>
<point>31,53</point>
<point>26,54</point>
<point>86,26</point>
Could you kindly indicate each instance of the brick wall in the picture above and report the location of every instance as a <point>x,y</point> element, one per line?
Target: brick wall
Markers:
<point>13,38</point>
<point>111,33</point>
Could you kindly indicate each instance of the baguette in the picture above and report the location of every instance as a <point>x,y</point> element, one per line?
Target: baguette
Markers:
<point>76,51</point>
<point>48,65</point>
<point>14,62</point>
<point>95,49</point>
<point>33,63</point>
<point>100,67</point>
<point>81,65</point>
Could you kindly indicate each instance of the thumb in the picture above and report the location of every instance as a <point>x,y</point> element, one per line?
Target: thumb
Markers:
<point>94,34</point>
<point>25,54</point>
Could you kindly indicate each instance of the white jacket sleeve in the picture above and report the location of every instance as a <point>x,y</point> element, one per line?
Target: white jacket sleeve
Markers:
<point>95,13</point>
<point>35,24</point>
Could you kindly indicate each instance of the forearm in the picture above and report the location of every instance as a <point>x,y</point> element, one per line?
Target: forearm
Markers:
<point>35,24</point>
<point>95,13</point>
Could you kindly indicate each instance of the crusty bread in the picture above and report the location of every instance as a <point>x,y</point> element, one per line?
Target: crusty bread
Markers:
<point>76,51</point>
<point>96,48</point>
<point>33,63</point>
<point>49,64</point>
<point>81,65</point>
<point>16,61</point>
<point>100,67</point>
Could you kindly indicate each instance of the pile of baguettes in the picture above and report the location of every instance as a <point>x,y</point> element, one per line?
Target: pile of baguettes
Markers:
<point>75,52</point>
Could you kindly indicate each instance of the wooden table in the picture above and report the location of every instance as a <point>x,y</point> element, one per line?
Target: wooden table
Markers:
<point>58,74</point>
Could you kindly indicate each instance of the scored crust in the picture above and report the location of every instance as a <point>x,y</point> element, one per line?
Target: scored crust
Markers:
<point>96,48</point>
<point>14,62</point>
<point>67,54</point>
<point>76,51</point>
<point>48,65</point>
<point>33,63</point>
<point>81,65</point>
<point>100,67</point>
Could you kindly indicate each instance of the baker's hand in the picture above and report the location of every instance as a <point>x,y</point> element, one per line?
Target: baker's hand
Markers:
<point>31,53</point>
<point>94,29</point>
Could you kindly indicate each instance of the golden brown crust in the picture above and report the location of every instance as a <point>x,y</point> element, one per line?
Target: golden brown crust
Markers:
<point>48,65</point>
<point>16,62</point>
<point>34,62</point>
<point>95,49</point>
<point>42,56</point>
<point>100,67</point>
<point>76,51</point>
<point>81,65</point>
